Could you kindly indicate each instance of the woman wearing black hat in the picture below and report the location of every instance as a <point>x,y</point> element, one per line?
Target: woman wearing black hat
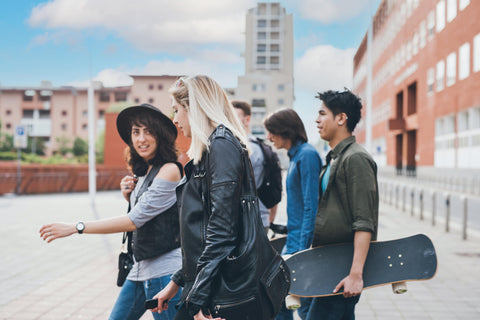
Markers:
<point>150,136</point>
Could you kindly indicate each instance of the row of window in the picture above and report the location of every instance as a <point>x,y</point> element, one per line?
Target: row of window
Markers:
<point>46,95</point>
<point>261,87</point>
<point>264,23</point>
<point>150,100</point>
<point>262,47</point>
<point>448,66</point>
<point>435,22</point>
<point>275,60</point>
<point>262,35</point>
<point>467,120</point>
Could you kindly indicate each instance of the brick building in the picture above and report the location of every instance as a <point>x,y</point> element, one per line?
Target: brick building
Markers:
<point>425,84</point>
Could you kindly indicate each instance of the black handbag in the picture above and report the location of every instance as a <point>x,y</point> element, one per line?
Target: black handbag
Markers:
<point>262,296</point>
<point>125,260</point>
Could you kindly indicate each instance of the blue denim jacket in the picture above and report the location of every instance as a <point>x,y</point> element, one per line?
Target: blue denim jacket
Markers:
<point>302,196</point>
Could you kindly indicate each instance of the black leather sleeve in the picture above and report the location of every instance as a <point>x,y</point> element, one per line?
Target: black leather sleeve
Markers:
<point>224,171</point>
<point>177,277</point>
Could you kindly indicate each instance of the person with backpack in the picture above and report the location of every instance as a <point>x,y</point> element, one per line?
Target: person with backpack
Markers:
<point>286,130</point>
<point>266,168</point>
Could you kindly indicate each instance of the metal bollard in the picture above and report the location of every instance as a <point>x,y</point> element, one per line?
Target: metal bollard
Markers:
<point>396,196</point>
<point>404,198</point>
<point>434,207</point>
<point>412,198</point>
<point>447,212</point>
<point>464,201</point>
<point>421,204</point>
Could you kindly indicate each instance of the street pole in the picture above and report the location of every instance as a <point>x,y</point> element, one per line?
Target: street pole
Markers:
<point>368,113</point>
<point>92,176</point>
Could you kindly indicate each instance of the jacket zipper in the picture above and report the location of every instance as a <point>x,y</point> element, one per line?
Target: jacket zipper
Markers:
<point>218,307</point>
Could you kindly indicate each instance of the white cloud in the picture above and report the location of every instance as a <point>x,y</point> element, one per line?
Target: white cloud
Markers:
<point>324,67</point>
<point>330,11</point>
<point>151,25</point>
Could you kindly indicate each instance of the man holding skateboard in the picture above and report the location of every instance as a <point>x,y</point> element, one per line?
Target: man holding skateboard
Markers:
<point>348,202</point>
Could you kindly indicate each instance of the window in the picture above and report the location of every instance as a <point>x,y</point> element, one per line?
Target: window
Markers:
<point>281,87</point>
<point>150,100</point>
<point>261,47</point>
<point>120,96</point>
<point>85,113</point>
<point>8,112</point>
<point>27,114</point>
<point>440,75</point>
<point>261,60</point>
<point>423,34</point>
<point>431,25</point>
<point>262,23</point>
<point>8,125</point>
<point>476,53</point>
<point>258,103</point>
<point>451,10</point>
<point>258,87</point>
<point>261,35</point>
<point>64,127</point>
<point>275,35</point>
<point>137,100</point>
<point>274,47</point>
<point>451,68</point>
<point>462,4</point>
<point>281,102</point>
<point>430,80</point>
<point>28,95</point>
<point>160,87</point>
<point>464,61</point>
<point>104,96</point>
<point>440,15</point>
<point>274,60</point>
<point>84,126</point>
<point>64,113</point>
<point>101,114</point>
<point>150,86</point>
<point>415,41</point>
<point>45,95</point>
<point>275,23</point>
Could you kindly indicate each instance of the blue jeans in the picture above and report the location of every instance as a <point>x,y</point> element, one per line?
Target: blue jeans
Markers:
<point>332,308</point>
<point>130,301</point>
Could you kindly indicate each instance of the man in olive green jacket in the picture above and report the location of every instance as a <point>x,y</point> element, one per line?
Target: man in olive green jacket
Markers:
<point>348,205</point>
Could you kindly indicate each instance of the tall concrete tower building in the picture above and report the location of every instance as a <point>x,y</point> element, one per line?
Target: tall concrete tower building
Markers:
<point>268,81</point>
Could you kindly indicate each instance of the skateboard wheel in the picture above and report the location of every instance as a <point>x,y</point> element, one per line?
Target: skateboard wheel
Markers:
<point>399,287</point>
<point>292,302</point>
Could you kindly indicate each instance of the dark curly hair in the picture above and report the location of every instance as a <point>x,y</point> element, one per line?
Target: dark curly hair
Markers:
<point>343,102</point>
<point>166,148</point>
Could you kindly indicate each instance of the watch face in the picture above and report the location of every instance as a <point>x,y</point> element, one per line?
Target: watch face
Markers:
<point>80,226</point>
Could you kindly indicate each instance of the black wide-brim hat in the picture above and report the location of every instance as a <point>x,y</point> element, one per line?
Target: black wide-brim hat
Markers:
<point>123,120</point>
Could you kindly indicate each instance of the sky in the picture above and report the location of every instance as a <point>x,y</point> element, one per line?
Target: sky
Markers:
<point>68,42</point>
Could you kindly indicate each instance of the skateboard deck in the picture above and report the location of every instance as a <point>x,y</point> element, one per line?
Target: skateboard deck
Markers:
<point>278,243</point>
<point>316,272</point>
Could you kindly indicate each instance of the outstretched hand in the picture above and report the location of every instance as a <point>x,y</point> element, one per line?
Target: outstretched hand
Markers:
<point>50,232</point>
<point>352,285</point>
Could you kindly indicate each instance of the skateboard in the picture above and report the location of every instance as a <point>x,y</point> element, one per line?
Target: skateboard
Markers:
<point>316,272</point>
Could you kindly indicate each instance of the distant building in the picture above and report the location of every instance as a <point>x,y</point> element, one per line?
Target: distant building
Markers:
<point>426,84</point>
<point>55,113</point>
<point>268,81</point>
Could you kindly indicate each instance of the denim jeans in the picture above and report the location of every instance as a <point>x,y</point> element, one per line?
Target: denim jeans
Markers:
<point>332,308</point>
<point>130,301</point>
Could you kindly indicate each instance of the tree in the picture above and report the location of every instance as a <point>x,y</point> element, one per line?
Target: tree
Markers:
<point>63,145</point>
<point>80,147</point>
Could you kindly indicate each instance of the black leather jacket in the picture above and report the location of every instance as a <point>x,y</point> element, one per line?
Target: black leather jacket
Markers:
<point>209,222</point>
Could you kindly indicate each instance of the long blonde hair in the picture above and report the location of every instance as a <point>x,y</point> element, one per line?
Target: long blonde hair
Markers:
<point>207,107</point>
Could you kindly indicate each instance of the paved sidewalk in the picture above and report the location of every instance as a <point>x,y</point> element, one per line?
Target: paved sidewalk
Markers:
<point>74,278</point>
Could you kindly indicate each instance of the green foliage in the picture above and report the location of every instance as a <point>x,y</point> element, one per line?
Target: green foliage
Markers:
<point>100,147</point>
<point>6,142</point>
<point>63,145</point>
<point>7,155</point>
<point>80,147</point>
<point>36,145</point>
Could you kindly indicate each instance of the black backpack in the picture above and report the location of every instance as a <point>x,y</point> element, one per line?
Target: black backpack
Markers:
<point>270,191</point>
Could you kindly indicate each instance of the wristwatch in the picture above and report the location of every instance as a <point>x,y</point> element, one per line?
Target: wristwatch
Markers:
<point>80,227</point>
